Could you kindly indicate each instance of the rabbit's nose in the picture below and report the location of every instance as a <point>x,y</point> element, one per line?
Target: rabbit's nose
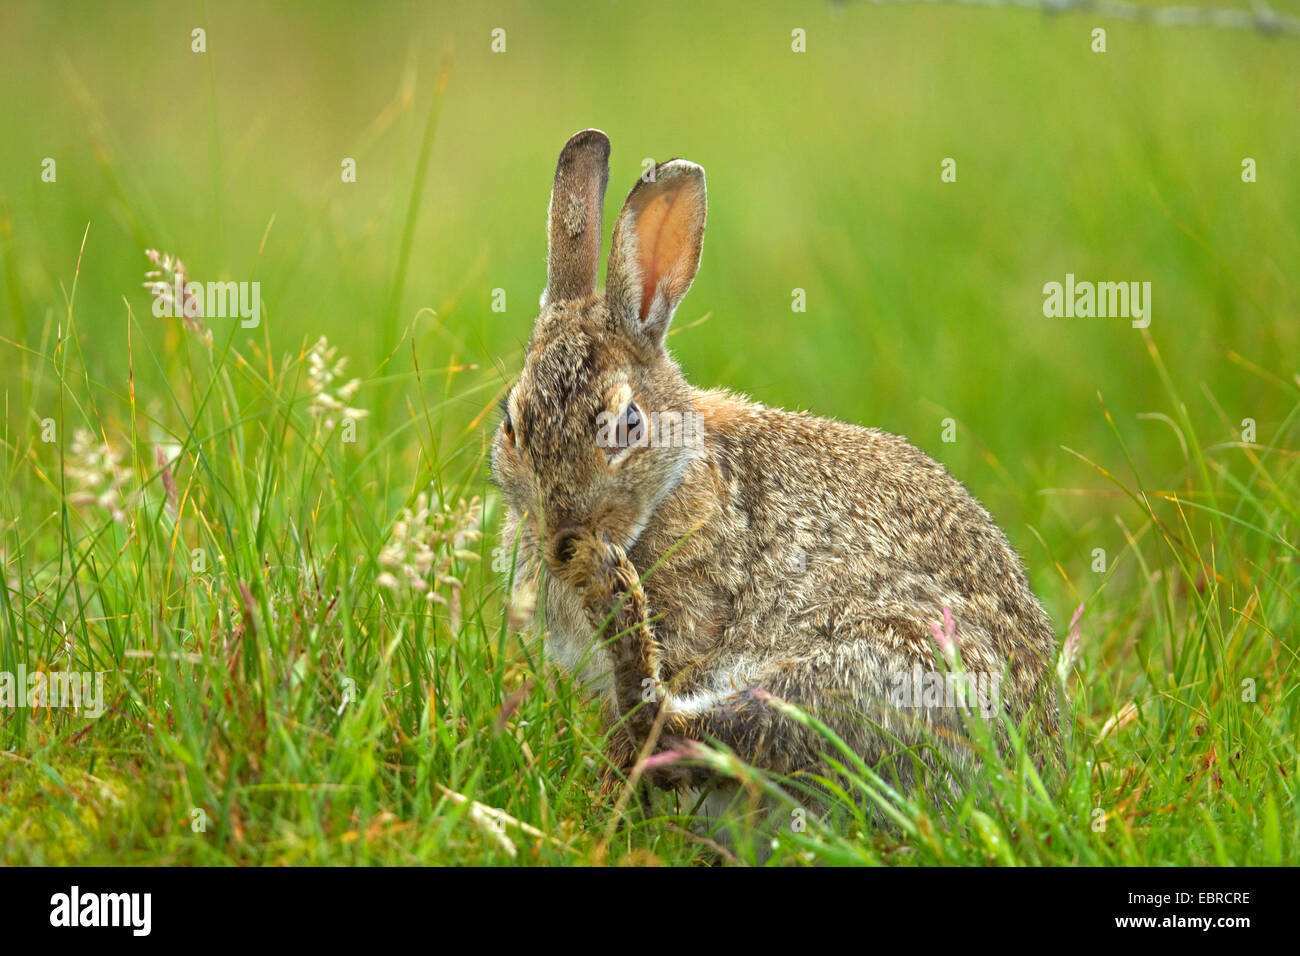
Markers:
<point>564,543</point>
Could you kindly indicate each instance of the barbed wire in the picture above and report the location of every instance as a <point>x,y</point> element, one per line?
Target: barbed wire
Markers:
<point>1260,17</point>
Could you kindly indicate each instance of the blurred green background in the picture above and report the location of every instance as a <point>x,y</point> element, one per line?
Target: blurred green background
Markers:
<point>924,298</point>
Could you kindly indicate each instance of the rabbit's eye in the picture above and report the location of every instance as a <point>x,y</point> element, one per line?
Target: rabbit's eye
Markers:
<point>633,424</point>
<point>509,427</point>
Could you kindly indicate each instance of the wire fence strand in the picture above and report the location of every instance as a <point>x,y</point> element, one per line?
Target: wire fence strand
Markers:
<point>1260,17</point>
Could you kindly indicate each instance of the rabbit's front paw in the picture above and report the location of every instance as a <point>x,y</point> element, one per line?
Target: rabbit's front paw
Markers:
<point>614,581</point>
<point>605,579</point>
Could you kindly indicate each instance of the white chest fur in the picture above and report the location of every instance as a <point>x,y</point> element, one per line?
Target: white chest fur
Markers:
<point>571,643</point>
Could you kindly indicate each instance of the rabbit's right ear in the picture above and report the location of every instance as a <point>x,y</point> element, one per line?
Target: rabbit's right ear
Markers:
<point>656,249</point>
<point>573,223</point>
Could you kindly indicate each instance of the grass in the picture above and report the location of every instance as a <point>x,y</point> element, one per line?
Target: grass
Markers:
<point>273,698</point>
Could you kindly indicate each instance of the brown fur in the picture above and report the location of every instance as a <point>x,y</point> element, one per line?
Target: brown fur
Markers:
<point>766,553</point>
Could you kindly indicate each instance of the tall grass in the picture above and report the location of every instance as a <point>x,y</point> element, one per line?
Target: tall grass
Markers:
<point>271,700</point>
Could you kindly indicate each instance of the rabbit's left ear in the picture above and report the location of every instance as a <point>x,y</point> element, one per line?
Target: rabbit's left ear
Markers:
<point>656,249</point>
<point>573,222</point>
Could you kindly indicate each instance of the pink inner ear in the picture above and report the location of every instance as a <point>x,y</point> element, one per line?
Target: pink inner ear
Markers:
<point>662,238</point>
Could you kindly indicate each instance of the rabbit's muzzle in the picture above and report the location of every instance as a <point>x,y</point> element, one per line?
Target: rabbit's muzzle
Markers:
<point>577,556</point>
<point>563,546</point>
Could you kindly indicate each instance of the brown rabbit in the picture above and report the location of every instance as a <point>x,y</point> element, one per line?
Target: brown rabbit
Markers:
<point>743,552</point>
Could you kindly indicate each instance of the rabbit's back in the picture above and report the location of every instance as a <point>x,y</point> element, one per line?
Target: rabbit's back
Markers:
<point>793,535</point>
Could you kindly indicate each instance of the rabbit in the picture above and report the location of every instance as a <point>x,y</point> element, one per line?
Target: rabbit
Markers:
<point>704,560</point>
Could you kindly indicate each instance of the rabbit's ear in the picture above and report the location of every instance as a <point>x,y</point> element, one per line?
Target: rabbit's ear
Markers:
<point>573,223</point>
<point>656,249</point>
